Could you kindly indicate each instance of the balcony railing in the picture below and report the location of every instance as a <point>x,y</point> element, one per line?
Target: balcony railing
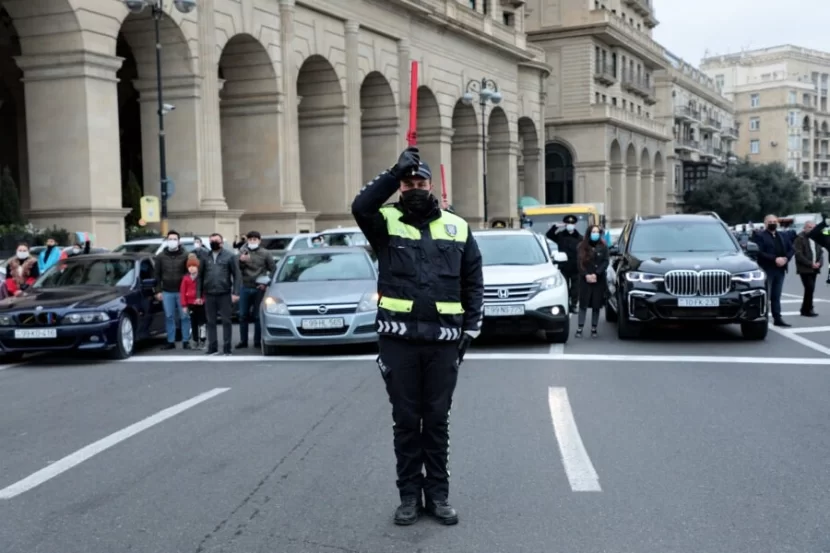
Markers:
<point>604,73</point>
<point>638,86</point>
<point>686,144</point>
<point>805,152</point>
<point>729,132</point>
<point>805,176</point>
<point>632,119</point>
<point>685,112</point>
<point>714,123</point>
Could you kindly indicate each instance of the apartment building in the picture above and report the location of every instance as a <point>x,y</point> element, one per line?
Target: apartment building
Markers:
<point>781,99</point>
<point>604,141</point>
<point>702,121</point>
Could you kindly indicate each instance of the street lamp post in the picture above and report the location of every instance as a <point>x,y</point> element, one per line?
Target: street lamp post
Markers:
<point>487,90</point>
<point>157,6</point>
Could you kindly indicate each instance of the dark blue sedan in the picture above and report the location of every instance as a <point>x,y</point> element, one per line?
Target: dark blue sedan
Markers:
<point>102,302</point>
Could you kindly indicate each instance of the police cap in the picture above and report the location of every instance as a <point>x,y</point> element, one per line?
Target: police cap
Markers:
<point>570,219</point>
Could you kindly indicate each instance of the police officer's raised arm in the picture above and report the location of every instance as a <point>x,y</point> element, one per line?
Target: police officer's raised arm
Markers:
<point>366,205</point>
<point>472,287</point>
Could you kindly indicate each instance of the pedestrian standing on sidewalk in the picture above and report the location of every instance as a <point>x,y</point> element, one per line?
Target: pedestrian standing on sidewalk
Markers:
<point>193,305</point>
<point>170,267</point>
<point>808,260</point>
<point>254,263</point>
<point>593,261</point>
<point>220,282</point>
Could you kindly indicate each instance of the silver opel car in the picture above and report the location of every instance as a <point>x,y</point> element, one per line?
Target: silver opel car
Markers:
<point>320,296</point>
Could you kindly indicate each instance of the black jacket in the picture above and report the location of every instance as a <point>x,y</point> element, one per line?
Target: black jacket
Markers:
<point>767,249</point>
<point>261,262</point>
<point>429,267</point>
<point>804,257</point>
<point>568,243</point>
<point>593,261</point>
<point>170,267</point>
<point>219,275</point>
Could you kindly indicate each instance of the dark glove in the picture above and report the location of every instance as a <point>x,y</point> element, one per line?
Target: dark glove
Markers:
<point>465,342</point>
<point>408,162</point>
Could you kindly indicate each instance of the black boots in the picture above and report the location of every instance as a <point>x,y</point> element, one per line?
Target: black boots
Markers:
<point>410,508</point>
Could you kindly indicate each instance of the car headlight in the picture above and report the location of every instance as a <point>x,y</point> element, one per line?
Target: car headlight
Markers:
<point>750,276</point>
<point>369,302</point>
<point>6,320</point>
<point>82,318</point>
<point>644,278</point>
<point>275,306</point>
<point>550,282</point>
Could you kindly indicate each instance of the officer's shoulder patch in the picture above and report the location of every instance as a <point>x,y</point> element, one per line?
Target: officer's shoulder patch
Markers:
<point>452,230</point>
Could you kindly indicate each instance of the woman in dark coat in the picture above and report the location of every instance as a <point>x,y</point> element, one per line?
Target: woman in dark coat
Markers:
<point>592,259</point>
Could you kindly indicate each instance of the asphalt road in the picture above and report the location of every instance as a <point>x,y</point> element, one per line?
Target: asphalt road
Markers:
<point>683,442</point>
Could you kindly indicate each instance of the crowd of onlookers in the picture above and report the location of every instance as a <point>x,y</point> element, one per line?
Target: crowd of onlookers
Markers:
<point>23,269</point>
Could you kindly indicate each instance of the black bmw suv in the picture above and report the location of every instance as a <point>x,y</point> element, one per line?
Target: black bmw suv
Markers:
<point>684,269</point>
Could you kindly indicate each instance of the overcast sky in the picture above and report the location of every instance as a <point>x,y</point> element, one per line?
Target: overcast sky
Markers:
<point>689,28</point>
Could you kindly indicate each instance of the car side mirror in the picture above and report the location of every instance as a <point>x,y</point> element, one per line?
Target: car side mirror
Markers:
<point>560,257</point>
<point>148,284</point>
<point>614,251</point>
<point>752,249</point>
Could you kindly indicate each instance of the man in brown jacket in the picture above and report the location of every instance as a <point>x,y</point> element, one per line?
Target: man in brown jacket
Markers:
<point>808,259</point>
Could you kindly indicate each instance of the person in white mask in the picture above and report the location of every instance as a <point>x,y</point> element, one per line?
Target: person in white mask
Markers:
<point>254,262</point>
<point>170,267</point>
<point>21,271</point>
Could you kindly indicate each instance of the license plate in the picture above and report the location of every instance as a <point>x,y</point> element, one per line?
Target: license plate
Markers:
<point>504,310</point>
<point>35,333</point>
<point>323,324</point>
<point>698,302</point>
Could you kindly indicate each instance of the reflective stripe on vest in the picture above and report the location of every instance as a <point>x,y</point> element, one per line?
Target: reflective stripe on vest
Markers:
<point>447,227</point>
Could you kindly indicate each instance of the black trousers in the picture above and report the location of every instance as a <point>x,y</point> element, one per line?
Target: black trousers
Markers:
<point>197,321</point>
<point>215,307</point>
<point>572,280</point>
<point>809,282</point>
<point>420,380</point>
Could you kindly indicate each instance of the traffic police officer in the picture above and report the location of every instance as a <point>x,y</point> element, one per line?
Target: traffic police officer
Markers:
<point>431,290</point>
<point>568,242</point>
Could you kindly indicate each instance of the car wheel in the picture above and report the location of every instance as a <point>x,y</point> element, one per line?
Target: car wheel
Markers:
<point>125,338</point>
<point>626,330</point>
<point>267,350</point>
<point>755,331</point>
<point>560,337</point>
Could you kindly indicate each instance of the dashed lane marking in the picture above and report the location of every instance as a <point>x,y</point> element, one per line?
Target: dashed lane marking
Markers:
<point>578,466</point>
<point>70,461</point>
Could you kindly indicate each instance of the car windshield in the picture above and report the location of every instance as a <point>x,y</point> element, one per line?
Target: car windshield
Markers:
<point>506,249</point>
<point>316,267</point>
<point>681,237</point>
<point>276,243</point>
<point>84,271</point>
<point>345,239</point>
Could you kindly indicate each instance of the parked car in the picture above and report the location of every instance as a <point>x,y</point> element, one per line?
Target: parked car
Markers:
<point>524,291</point>
<point>320,296</point>
<point>684,269</point>
<point>100,302</point>
<point>155,246</point>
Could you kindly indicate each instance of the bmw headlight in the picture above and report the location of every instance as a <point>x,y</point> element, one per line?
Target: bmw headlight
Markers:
<point>6,320</point>
<point>369,302</point>
<point>750,276</point>
<point>275,306</point>
<point>643,278</point>
<point>86,318</point>
<point>550,282</point>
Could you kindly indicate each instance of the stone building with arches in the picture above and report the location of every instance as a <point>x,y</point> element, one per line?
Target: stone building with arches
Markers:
<point>283,108</point>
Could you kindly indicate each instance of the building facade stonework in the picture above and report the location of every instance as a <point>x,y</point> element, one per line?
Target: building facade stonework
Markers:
<point>283,108</point>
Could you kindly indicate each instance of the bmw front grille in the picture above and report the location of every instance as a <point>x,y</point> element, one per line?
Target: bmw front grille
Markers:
<point>714,282</point>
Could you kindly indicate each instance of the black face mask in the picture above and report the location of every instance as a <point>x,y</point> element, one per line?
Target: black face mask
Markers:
<point>417,200</point>
<point>772,227</point>
<point>215,246</point>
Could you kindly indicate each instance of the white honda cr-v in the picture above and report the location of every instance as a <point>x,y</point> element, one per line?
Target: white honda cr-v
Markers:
<point>524,292</point>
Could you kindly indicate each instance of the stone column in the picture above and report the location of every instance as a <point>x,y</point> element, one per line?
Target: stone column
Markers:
<point>591,184</point>
<point>660,193</point>
<point>465,190</point>
<point>616,194</point>
<point>289,153</point>
<point>73,143</point>
<point>632,191</point>
<point>210,140</point>
<point>354,153</point>
<point>647,199</point>
<point>533,174</point>
<point>404,64</point>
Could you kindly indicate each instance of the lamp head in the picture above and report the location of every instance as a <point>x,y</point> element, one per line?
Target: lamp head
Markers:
<point>135,6</point>
<point>467,99</point>
<point>496,98</point>
<point>185,6</point>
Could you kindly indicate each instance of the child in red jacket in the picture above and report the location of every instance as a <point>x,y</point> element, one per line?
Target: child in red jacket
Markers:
<point>192,303</point>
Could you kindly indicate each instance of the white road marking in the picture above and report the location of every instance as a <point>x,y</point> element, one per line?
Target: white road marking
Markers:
<point>94,449</point>
<point>809,329</point>
<point>507,356</point>
<point>791,314</point>
<point>557,349</point>
<point>799,298</point>
<point>801,340</point>
<point>578,466</point>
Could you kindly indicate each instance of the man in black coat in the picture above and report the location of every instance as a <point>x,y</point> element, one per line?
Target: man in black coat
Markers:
<point>220,281</point>
<point>567,241</point>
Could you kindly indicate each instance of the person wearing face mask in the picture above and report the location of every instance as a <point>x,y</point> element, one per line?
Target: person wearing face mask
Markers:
<point>431,293</point>
<point>317,242</point>
<point>170,267</point>
<point>220,282</point>
<point>48,257</point>
<point>568,241</point>
<point>82,245</point>
<point>775,249</point>
<point>592,261</point>
<point>254,262</point>
<point>21,271</point>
